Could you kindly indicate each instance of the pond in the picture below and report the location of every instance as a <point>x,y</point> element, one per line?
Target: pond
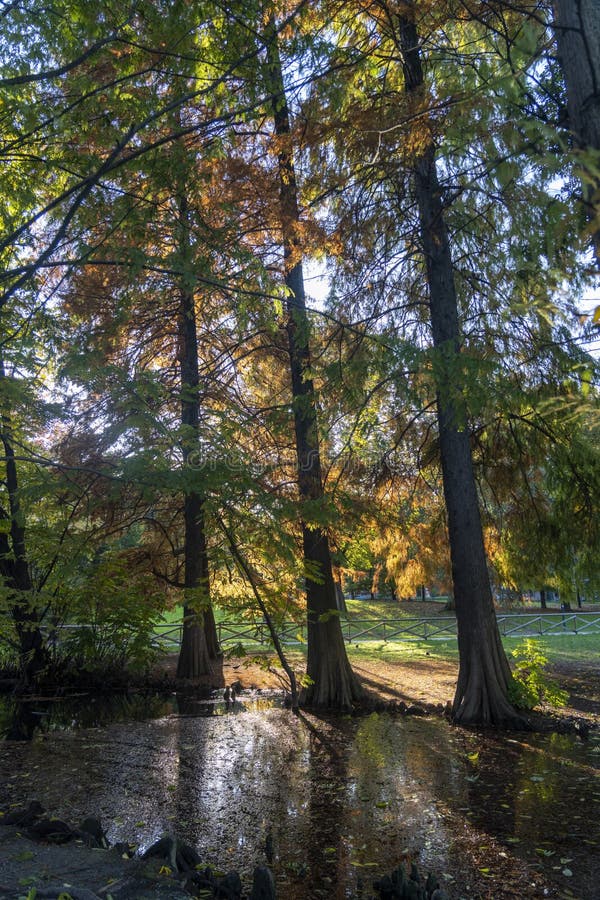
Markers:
<point>335,800</point>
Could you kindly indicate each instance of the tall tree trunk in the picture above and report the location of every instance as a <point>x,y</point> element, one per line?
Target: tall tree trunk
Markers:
<point>199,643</point>
<point>14,567</point>
<point>332,682</point>
<point>543,599</point>
<point>577,28</point>
<point>484,673</point>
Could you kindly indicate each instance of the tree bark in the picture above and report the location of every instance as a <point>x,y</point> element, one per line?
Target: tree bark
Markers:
<point>484,673</point>
<point>577,28</point>
<point>15,571</point>
<point>332,684</point>
<point>199,643</point>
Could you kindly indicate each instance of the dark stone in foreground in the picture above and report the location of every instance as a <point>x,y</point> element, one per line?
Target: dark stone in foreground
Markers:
<point>23,815</point>
<point>92,834</point>
<point>180,857</point>
<point>401,885</point>
<point>54,831</point>
<point>263,887</point>
<point>168,870</point>
<point>229,887</point>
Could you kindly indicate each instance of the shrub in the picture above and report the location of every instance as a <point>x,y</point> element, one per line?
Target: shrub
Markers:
<point>531,685</point>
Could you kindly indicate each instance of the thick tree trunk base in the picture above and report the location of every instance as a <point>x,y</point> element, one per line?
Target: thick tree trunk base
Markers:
<point>210,633</point>
<point>194,659</point>
<point>333,684</point>
<point>483,683</point>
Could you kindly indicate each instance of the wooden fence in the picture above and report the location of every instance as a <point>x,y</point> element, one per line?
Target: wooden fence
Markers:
<point>358,631</point>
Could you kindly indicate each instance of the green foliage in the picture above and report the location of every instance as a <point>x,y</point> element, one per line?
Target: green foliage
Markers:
<point>111,613</point>
<point>531,685</point>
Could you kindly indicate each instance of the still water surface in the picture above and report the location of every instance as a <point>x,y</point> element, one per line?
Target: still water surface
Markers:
<point>339,799</point>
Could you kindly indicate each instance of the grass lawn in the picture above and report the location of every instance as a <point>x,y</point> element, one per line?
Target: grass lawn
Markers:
<point>584,648</point>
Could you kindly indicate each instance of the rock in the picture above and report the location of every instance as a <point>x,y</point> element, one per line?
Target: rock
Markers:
<point>164,848</point>
<point>124,849</point>
<point>431,885</point>
<point>229,887</point>
<point>24,815</point>
<point>263,884</point>
<point>92,834</point>
<point>180,857</point>
<point>402,886</point>
<point>201,880</point>
<point>415,711</point>
<point>411,890</point>
<point>385,888</point>
<point>186,857</point>
<point>54,831</point>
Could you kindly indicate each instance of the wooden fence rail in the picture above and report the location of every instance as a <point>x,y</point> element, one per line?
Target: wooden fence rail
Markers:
<point>408,629</point>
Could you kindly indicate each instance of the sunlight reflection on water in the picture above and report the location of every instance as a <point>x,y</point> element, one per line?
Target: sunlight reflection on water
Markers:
<point>343,798</point>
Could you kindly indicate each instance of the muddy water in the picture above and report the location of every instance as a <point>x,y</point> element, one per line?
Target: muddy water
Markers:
<point>338,799</point>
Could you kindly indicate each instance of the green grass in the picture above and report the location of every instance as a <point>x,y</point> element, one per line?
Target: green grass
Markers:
<point>583,648</point>
<point>391,609</point>
<point>175,615</point>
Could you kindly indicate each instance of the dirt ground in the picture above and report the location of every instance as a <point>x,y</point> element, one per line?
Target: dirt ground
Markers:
<point>427,682</point>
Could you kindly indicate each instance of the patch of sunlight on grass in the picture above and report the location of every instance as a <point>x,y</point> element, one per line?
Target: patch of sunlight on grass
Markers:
<point>392,609</point>
<point>581,648</point>
<point>403,651</point>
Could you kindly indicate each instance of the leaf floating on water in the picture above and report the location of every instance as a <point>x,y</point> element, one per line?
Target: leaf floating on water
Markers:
<point>362,865</point>
<point>564,860</point>
<point>473,757</point>
<point>537,778</point>
<point>567,872</point>
<point>382,804</point>
<point>513,840</point>
<point>543,852</point>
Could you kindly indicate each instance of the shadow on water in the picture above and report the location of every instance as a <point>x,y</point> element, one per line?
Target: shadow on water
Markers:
<point>328,801</point>
<point>21,719</point>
